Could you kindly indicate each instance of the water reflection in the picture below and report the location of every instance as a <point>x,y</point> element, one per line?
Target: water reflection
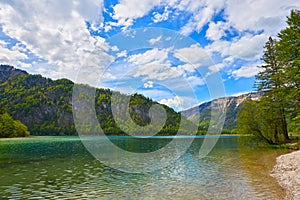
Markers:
<point>61,168</point>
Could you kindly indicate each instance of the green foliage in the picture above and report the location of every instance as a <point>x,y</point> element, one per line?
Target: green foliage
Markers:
<point>20,129</point>
<point>45,106</point>
<point>288,48</point>
<point>278,111</point>
<point>261,119</point>
<point>11,128</point>
<point>294,126</point>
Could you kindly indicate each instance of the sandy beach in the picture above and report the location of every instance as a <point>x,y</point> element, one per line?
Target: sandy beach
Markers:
<point>287,173</point>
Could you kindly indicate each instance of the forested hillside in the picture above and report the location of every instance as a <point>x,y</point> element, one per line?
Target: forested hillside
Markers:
<point>45,105</point>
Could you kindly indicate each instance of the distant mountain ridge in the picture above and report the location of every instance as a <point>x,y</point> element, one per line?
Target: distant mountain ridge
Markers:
<point>9,72</point>
<point>233,105</point>
<point>45,105</point>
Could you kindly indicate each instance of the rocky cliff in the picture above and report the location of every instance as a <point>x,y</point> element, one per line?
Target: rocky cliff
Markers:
<point>233,104</point>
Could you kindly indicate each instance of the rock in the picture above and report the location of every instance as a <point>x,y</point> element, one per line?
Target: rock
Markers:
<point>287,173</point>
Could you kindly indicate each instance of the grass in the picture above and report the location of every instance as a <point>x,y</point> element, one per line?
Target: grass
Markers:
<point>294,144</point>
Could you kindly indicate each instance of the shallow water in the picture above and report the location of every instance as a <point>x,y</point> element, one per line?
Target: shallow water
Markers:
<point>61,168</point>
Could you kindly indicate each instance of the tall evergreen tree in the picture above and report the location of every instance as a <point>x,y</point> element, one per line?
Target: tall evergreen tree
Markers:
<point>288,49</point>
<point>271,81</point>
<point>280,82</point>
<point>267,79</point>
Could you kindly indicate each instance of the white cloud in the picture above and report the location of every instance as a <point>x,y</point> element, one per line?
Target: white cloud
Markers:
<point>57,34</point>
<point>60,36</point>
<point>15,55</point>
<point>155,40</point>
<point>246,71</point>
<point>126,11</point>
<point>251,28</point>
<point>202,13</point>
<point>157,71</point>
<point>248,47</point>
<point>216,67</point>
<point>216,30</point>
<point>193,54</point>
<point>263,15</point>
<point>176,102</point>
<point>153,64</point>
<point>158,55</point>
<point>219,46</point>
<point>122,54</point>
<point>157,17</point>
<point>195,81</point>
<point>113,48</point>
<point>186,68</point>
<point>10,55</point>
<point>148,84</point>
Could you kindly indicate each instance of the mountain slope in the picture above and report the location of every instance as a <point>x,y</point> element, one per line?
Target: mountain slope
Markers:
<point>233,105</point>
<point>45,106</point>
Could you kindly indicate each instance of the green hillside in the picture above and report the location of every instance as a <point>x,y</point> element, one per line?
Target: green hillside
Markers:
<point>45,105</point>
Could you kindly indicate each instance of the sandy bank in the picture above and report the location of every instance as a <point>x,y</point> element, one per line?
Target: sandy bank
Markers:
<point>287,172</point>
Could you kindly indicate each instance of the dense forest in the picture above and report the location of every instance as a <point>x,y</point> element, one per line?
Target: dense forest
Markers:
<point>277,114</point>
<point>45,106</point>
<point>10,127</point>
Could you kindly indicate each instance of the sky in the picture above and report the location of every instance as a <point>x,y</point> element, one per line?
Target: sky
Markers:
<point>178,52</point>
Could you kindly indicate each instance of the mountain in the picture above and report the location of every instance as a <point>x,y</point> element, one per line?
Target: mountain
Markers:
<point>45,106</point>
<point>233,105</point>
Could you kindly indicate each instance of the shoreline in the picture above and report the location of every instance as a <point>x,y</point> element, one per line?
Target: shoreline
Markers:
<point>287,173</point>
<point>137,136</point>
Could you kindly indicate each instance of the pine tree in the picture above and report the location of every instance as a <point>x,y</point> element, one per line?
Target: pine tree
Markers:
<point>288,49</point>
<point>271,81</point>
<point>280,82</point>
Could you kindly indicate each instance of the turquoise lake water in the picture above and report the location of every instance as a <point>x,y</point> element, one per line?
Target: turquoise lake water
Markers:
<point>61,168</point>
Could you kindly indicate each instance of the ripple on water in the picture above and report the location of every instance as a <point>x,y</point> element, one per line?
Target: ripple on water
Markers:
<point>67,171</point>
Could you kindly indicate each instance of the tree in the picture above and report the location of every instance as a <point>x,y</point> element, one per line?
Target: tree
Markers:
<point>288,49</point>
<point>279,80</point>
<point>268,78</point>
<point>271,81</point>
<point>11,128</point>
<point>261,119</point>
<point>7,126</point>
<point>20,129</point>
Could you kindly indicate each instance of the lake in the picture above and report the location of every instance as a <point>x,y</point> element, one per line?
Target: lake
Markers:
<point>61,168</point>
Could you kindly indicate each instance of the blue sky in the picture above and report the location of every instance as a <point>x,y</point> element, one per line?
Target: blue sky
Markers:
<point>178,52</point>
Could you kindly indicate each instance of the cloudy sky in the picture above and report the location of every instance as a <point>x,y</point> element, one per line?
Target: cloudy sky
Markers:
<point>178,52</point>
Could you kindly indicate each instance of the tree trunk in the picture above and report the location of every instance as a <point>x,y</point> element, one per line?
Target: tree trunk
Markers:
<point>284,125</point>
<point>260,134</point>
<point>276,135</point>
